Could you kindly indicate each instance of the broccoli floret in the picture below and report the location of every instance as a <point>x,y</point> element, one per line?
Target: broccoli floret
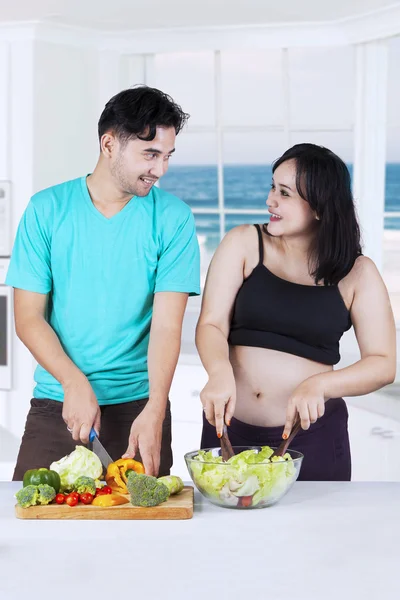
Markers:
<point>85,485</point>
<point>28,496</point>
<point>46,494</point>
<point>146,490</point>
<point>31,495</point>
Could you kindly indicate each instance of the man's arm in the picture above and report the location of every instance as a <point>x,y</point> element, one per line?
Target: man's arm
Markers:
<point>81,410</point>
<point>163,353</point>
<point>37,335</point>
<point>164,346</point>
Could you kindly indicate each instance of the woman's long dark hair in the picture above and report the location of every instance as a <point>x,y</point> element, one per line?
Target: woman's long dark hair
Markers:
<point>323,180</point>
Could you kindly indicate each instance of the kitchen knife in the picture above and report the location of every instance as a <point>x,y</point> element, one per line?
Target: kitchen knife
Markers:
<point>99,449</point>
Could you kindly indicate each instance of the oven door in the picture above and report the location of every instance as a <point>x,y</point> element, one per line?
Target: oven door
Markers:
<point>5,336</point>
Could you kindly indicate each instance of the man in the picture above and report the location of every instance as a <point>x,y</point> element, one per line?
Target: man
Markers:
<point>102,267</point>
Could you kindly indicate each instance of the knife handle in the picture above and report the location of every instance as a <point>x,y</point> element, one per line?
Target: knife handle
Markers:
<point>92,435</point>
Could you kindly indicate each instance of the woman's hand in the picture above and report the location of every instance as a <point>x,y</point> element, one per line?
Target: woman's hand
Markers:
<point>219,398</point>
<point>308,400</point>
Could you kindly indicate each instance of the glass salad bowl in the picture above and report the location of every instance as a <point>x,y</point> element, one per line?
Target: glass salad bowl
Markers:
<point>248,480</point>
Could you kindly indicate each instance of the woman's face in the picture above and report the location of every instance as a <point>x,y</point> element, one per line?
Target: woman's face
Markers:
<point>291,216</point>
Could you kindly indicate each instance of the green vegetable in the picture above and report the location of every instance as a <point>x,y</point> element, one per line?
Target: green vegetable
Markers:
<point>146,490</point>
<point>46,494</point>
<point>37,476</point>
<point>85,485</point>
<point>27,496</point>
<point>173,483</point>
<point>80,462</point>
<point>32,495</point>
<point>243,475</point>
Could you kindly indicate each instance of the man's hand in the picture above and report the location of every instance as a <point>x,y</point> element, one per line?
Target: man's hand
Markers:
<point>145,439</point>
<point>81,410</point>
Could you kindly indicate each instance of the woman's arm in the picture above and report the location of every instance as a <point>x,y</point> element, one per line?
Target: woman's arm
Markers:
<point>372,317</point>
<point>375,330</point>
<point>224,278</point>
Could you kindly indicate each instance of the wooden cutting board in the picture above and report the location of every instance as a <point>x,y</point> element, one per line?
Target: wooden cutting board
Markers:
<point>179,506</point>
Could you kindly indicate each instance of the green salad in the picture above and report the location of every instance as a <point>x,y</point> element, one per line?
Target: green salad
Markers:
<point>250,478</point>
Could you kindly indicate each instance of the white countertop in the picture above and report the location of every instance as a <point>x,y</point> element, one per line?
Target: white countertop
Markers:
<point>324,541</point>
<point>384,402</point>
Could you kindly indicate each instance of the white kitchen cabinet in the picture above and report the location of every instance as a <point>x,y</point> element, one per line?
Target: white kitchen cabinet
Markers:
<point>6,470</point>
<point>187,413</point>
<point>185,437</point>
<point>187,384</point>
<point>9,446</point>
<point>375,445</point>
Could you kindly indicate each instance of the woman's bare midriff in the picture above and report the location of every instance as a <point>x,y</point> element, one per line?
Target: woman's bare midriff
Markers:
<point>265,380</point>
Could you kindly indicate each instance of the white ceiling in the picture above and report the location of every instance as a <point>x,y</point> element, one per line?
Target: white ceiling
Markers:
<point>120,15</point>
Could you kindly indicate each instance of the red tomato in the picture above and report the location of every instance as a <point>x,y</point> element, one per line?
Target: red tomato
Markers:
<point>86,498</point>
<point>245,501</point>
<point>60,499</point>
<point>72,499</point>
<point>103,491</point>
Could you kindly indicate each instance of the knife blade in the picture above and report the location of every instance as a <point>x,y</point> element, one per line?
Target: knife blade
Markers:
<point>99,449</point>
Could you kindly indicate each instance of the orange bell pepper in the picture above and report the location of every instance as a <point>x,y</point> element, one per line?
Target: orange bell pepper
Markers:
<point>116,473</point>
<point>109,500</point>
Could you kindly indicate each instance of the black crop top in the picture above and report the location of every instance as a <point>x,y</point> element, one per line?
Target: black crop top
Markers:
<point>305,320</point>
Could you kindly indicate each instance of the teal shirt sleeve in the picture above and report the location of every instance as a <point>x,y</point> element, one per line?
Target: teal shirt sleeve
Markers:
<point>178,267</point>
<point>30,267</point>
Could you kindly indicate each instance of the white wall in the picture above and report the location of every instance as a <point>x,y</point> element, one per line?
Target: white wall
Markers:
<point>17,166</point>
<point>65,112</point>
<point>48,119</point>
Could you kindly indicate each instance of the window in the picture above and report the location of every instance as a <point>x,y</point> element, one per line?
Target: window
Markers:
<point>189,78</point>
<point>322,88</point>
<point>391,256</point>
<point>246,109</point>
<point>252,89</point>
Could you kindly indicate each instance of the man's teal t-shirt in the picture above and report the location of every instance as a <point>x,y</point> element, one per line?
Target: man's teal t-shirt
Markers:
<point>102,274</point>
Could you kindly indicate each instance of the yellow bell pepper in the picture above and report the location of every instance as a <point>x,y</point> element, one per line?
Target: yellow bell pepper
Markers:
<point>116,473</point>
<point>109,500</point>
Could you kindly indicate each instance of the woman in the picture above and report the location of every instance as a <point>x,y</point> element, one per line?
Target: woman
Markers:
<point>277,300</point>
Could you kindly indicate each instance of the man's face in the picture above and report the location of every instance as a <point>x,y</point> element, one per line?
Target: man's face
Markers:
<point>136,165</point>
